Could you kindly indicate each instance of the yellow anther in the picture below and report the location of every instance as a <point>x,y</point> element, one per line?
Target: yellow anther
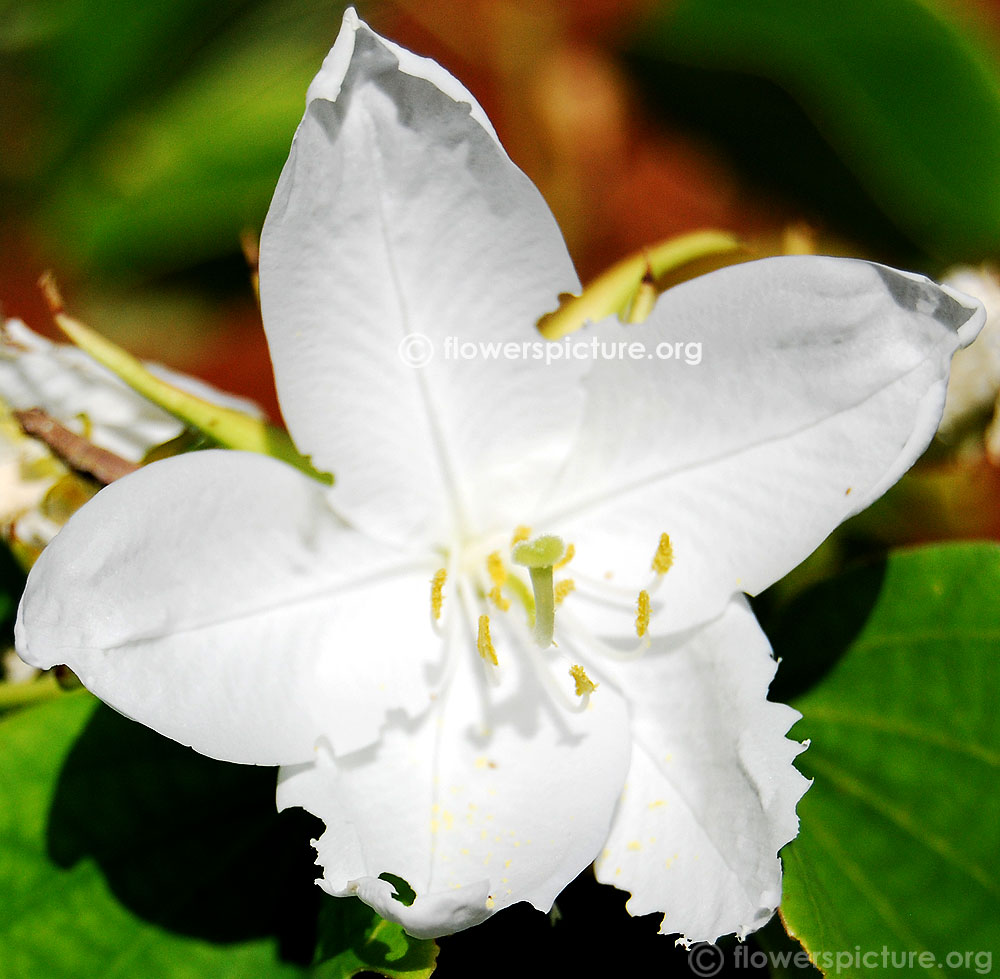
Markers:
<point>520,533</point>
<point>584,685</point>
<point>496,569</point>
<point>663,559</point>
<point>498,600</point>
<point>642,614</point>
<point>437,596</point>
<point>566,558</point>
<point>563,588</point>
<point>483,642</point>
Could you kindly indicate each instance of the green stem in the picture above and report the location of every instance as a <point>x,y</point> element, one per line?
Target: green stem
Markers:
<point>226,426</point>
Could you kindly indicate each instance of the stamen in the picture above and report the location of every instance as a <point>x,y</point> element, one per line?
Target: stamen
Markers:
<point>496,596</point>
<point>663,559</point>
<point>437,598</point>
<point>483,642</point>
<point>642,614</point>
<point>584,685</point>
<point>566,558</point>
<point>520,533</point>
<point>538,555</point>
<point>496,569</point>
<point>563,588</point>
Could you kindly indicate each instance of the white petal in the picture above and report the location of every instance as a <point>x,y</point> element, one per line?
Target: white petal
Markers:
<point>398,214</point>
<point>711,792</point>
<point>215,598</point>
<point>499,796</point>
<point>820,382</point>
<point>328,82</point>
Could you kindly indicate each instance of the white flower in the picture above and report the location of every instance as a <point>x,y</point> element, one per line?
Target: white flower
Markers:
<point>231,603</point>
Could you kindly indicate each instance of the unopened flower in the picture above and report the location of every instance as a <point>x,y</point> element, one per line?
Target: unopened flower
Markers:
<point>511,638</point>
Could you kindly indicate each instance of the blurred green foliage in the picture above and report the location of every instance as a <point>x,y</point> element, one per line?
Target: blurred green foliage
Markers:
<point>906,98</point>
<point>144,137</point>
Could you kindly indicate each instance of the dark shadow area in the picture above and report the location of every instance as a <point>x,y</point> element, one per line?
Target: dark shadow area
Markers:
<point>770,141</point>
<point>811,633</point>
<point>590,934</point>
<point>11,586</point>
<point>192,845</point>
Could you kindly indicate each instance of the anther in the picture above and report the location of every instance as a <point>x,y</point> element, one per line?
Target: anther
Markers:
<point>584,685</point>
<point>562,589</point>
<point>642,614</point>
<point>663,559</point>
<point>566,558</point>
<point>437,597</point>
<point>496,569</point>
<point>520,533</point>
<point>496,596</point>
<point>483,642</point>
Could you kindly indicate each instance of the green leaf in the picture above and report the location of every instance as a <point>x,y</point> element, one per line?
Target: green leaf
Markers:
<point>354,939</point>
<point>898,852</point>
<point>906,99</point>
<point>124,854</point>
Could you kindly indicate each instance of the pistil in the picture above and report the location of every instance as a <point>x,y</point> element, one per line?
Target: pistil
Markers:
<point>539,555</point>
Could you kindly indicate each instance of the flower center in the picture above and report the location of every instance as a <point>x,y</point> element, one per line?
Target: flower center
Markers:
<point>486,577</point>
